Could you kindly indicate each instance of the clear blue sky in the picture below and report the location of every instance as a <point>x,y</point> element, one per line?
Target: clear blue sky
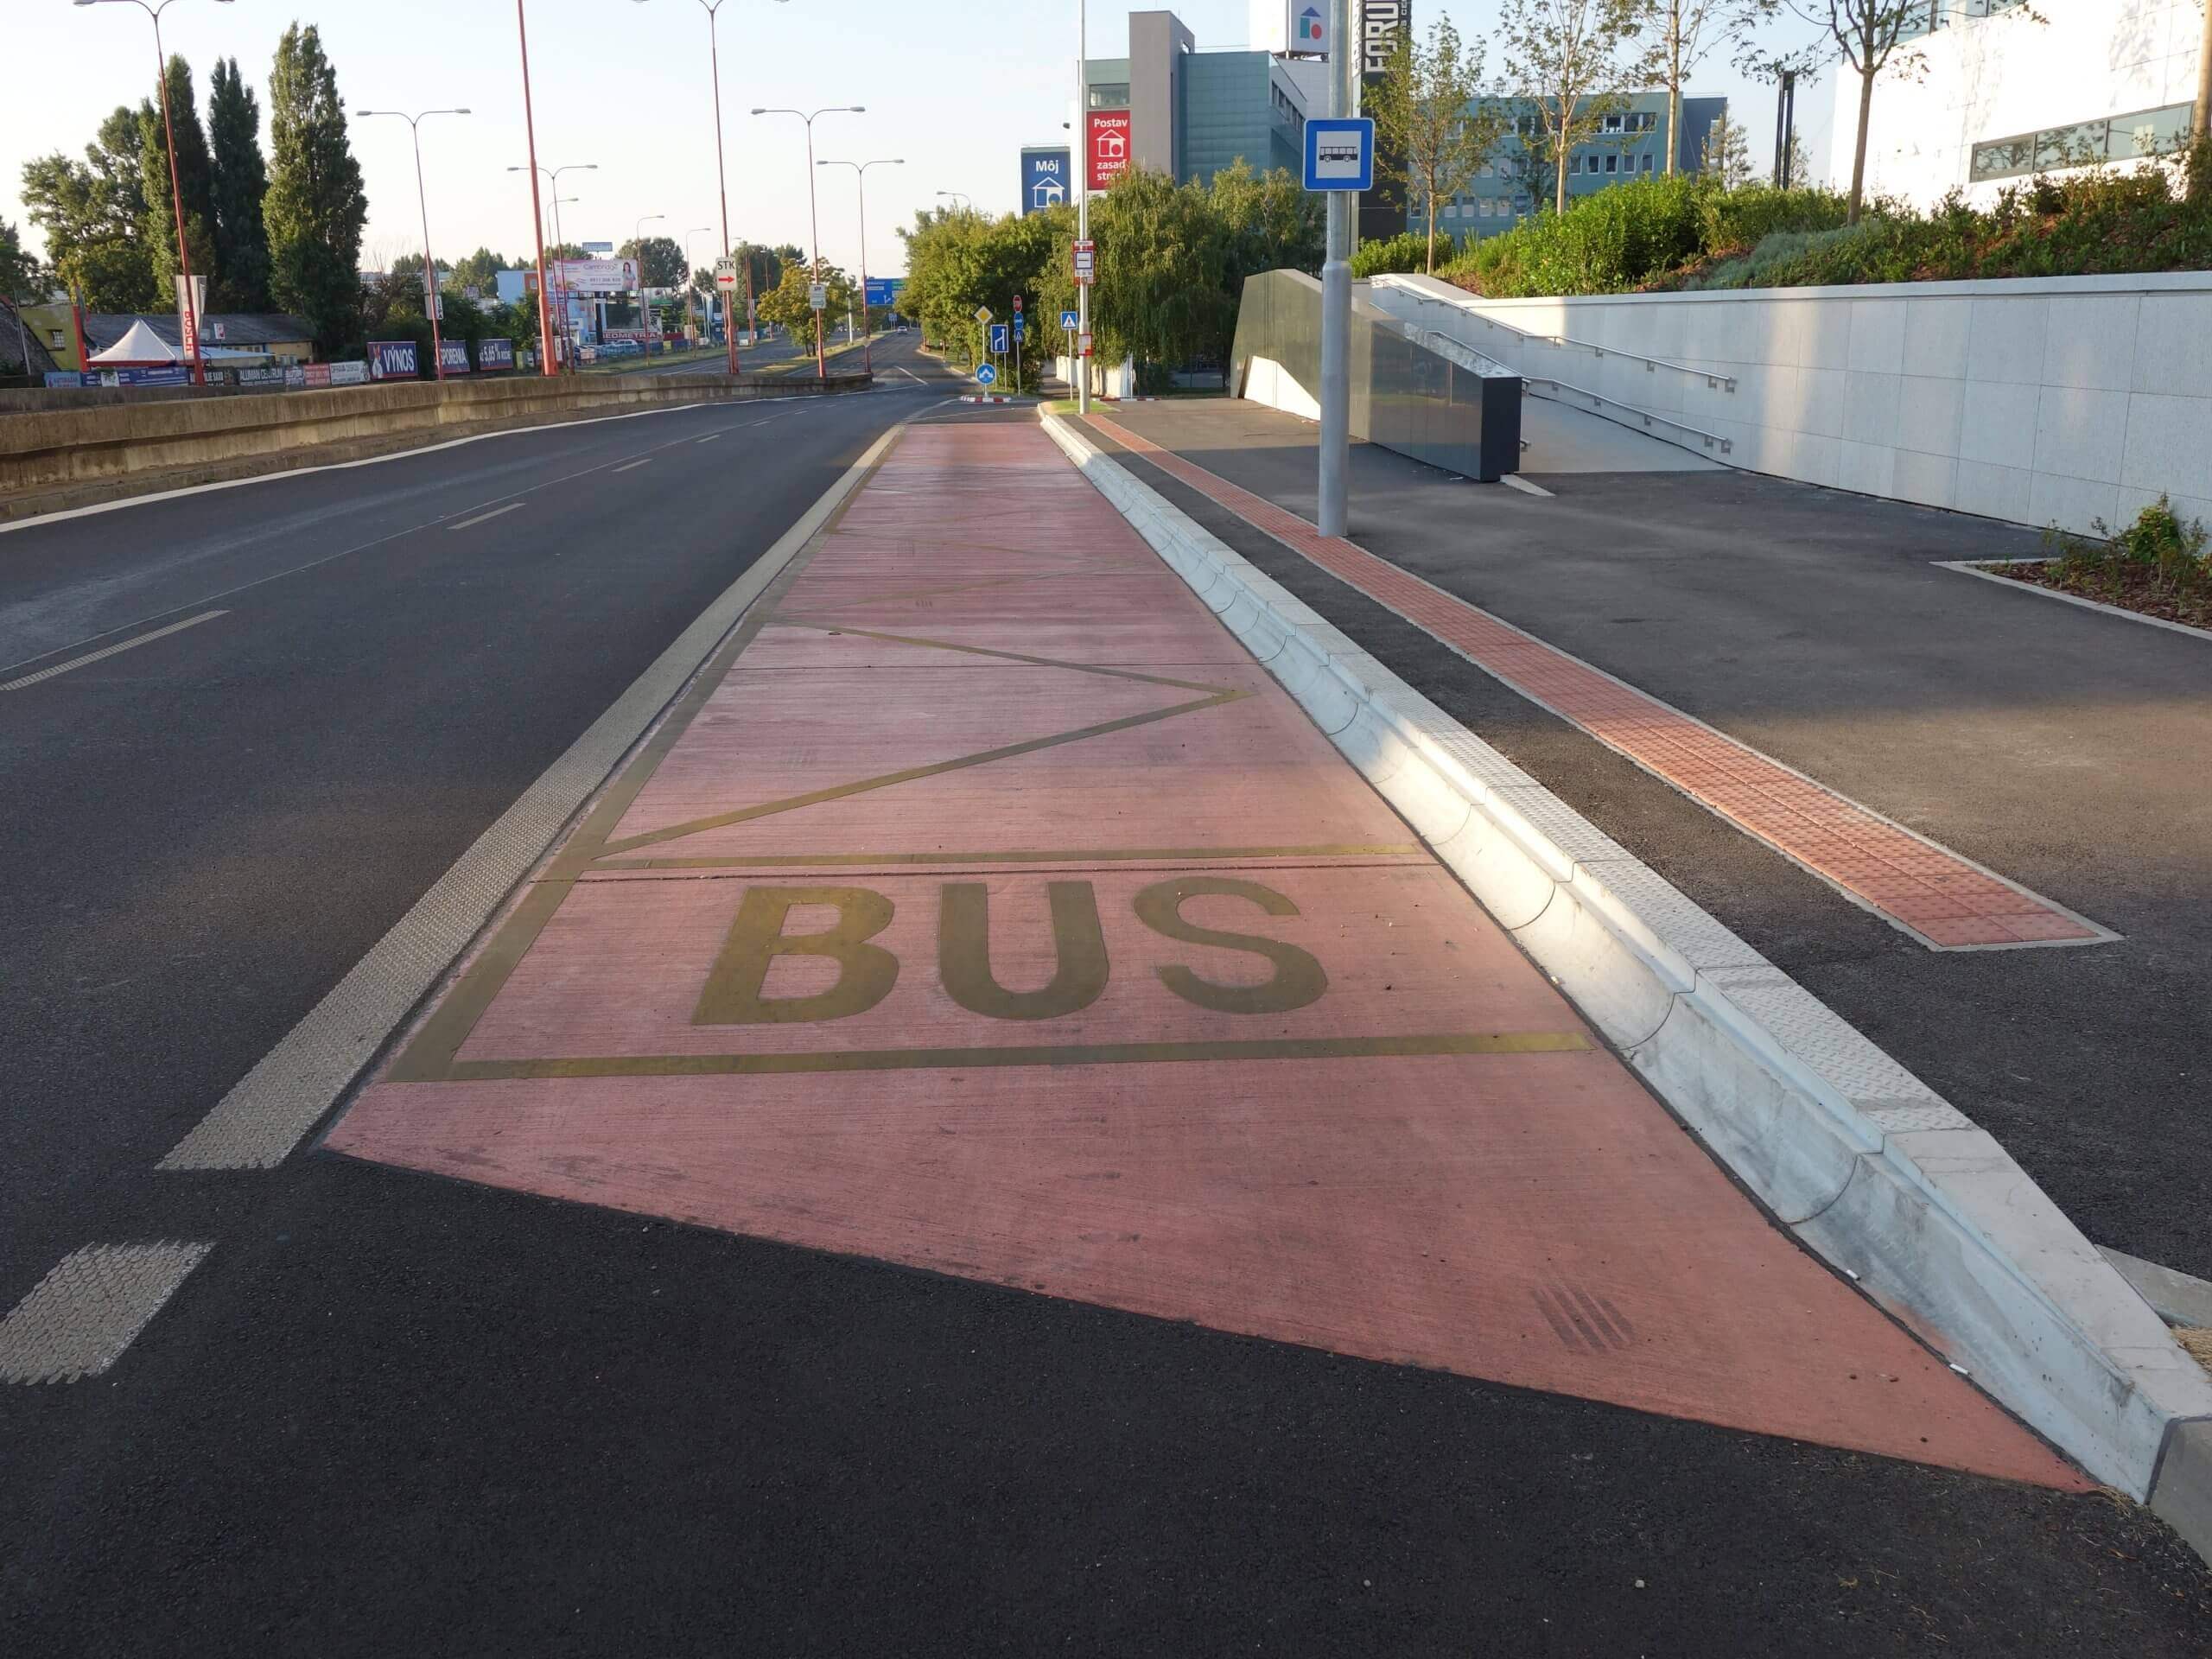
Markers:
<point>955,90</point>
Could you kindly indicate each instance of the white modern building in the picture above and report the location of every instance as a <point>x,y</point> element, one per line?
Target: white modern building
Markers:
<point>1987,93</point>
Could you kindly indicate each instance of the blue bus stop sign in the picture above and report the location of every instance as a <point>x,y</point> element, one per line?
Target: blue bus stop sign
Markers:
<point>1340,154</point>
<point>986,375</point>
<point>1020,333</point>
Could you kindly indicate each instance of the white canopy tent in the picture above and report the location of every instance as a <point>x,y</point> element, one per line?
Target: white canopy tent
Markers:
<point>140,347</point>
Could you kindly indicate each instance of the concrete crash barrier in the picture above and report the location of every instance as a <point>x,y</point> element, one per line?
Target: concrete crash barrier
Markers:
<point>63,453</point>
<point>1865,1164</point>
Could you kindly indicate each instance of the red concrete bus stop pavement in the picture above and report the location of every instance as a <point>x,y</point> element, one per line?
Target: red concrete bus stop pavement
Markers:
<point>984,908</point>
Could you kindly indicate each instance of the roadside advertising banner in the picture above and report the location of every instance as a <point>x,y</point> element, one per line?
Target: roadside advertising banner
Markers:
<point>452,357</point>
<point>314,376</point>
<point>595,275</point>
<point>1107,146</point>
<point>393,360</point>
<point>1044,177</point>
<point>347,374</point>
<point>493,355</point>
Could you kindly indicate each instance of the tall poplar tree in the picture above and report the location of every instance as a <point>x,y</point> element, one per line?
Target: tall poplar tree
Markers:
<point>241,182</point>
<point>195,173</point>
<point>315,206</point>
<point>1430,111</point>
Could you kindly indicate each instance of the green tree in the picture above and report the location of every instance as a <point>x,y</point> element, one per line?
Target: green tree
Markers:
<point>1429,110</point>
<point>241,182</point>
<point>660,260</point>
<point>19,271</point>
<point>1727,153</point>
<point>480,271</point>
<point>93,215</point>
<point>1574,60</point>
<point>1162,264</point>
<point>196,172</point>
<point>1689,31</point>
<point>315,206</point>
<point>787,303</point>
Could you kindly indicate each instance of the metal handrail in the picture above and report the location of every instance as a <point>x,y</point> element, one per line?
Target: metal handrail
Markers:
<point>1712,378</point>
<point>1727,445</point>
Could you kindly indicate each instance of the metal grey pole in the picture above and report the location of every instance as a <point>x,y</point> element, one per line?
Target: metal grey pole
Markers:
<point>2203,124</point>
<point>1082,158</point>
<point>1335,290</point>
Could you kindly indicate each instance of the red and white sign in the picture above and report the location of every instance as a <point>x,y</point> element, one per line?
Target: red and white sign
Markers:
<point>1107,146</point>
<point>1086,262</point>
<point>1083,345</point>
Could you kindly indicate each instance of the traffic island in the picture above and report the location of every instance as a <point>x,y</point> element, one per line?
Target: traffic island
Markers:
<point>1864,1162</point>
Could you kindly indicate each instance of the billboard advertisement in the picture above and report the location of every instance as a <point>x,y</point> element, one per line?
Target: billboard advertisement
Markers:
<point>1107,136</point>
<point>492,354</point>
<point>1295,27</point>
<point>595,275</point>
<point>1383,24</point>
<point>348,374</point>
<point>393,360</point>
<point>1045,177</point>
<point>453,356</point>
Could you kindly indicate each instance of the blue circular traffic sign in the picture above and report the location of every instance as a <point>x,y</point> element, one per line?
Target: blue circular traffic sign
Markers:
<point>986,375</point>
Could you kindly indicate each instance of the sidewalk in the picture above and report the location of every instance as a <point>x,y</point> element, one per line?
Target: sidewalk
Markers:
<point>2034,770</point>
<point>984,908</point>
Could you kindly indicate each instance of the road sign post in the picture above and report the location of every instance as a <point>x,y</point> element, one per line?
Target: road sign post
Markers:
<point>1339,160</point>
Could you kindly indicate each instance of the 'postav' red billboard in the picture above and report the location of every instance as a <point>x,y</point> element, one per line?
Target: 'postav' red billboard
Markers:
<point>1107,146</point>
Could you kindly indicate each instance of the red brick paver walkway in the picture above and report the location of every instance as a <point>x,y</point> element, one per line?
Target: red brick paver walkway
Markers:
<point>987,909</point>
<point>1947,901</point>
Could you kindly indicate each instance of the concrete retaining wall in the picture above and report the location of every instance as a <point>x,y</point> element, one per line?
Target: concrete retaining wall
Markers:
<point>2041,400</point>
<point>48,451</point>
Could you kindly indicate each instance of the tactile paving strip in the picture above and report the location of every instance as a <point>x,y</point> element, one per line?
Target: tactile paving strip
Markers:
<point>1946,901</point>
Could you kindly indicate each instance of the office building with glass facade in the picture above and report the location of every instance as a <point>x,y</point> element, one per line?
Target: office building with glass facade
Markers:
<point>1631,144</point>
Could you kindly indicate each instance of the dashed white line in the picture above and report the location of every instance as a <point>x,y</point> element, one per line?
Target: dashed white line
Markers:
<point>110,651</point>
<point>77,1320</point>
<point>465,522</point>
<point>709,438</point>
<point>630,466</point>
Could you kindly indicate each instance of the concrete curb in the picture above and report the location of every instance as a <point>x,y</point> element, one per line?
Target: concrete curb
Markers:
<point>1861,1159</point>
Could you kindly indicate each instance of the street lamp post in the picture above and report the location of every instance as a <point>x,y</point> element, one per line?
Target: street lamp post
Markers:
<point>538,212</point>
<point>430,267</point>
<point>721,179</point>
<point>154,8</point>
<point>961,197</point>
<point>537,208</point>
<point>813,219</point>
<point>1076,360</point>
<point>691,271</point>
<point>638,243</point>
<point>859,182</point>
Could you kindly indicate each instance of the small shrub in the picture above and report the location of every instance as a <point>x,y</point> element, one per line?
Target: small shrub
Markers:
<point>1408,251</point>
<point>2159,542</point>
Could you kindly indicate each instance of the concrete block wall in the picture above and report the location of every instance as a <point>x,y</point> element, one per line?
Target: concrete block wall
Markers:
<point>2041,400</point>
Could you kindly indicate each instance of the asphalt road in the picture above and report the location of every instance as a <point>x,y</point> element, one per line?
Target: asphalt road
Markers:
<point>392,1413</point>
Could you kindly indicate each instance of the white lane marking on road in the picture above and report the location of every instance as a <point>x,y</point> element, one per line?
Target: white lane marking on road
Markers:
<point>760,423</point>
<point>632,466</point>
<point>709,438</point>
<point>343,465</point>
<point>95,656</point>
<point>1524,486</point>
<point>494,513</point>
<point>910,374</point>
<point>264,1116</point>
<point>77,1320</point>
